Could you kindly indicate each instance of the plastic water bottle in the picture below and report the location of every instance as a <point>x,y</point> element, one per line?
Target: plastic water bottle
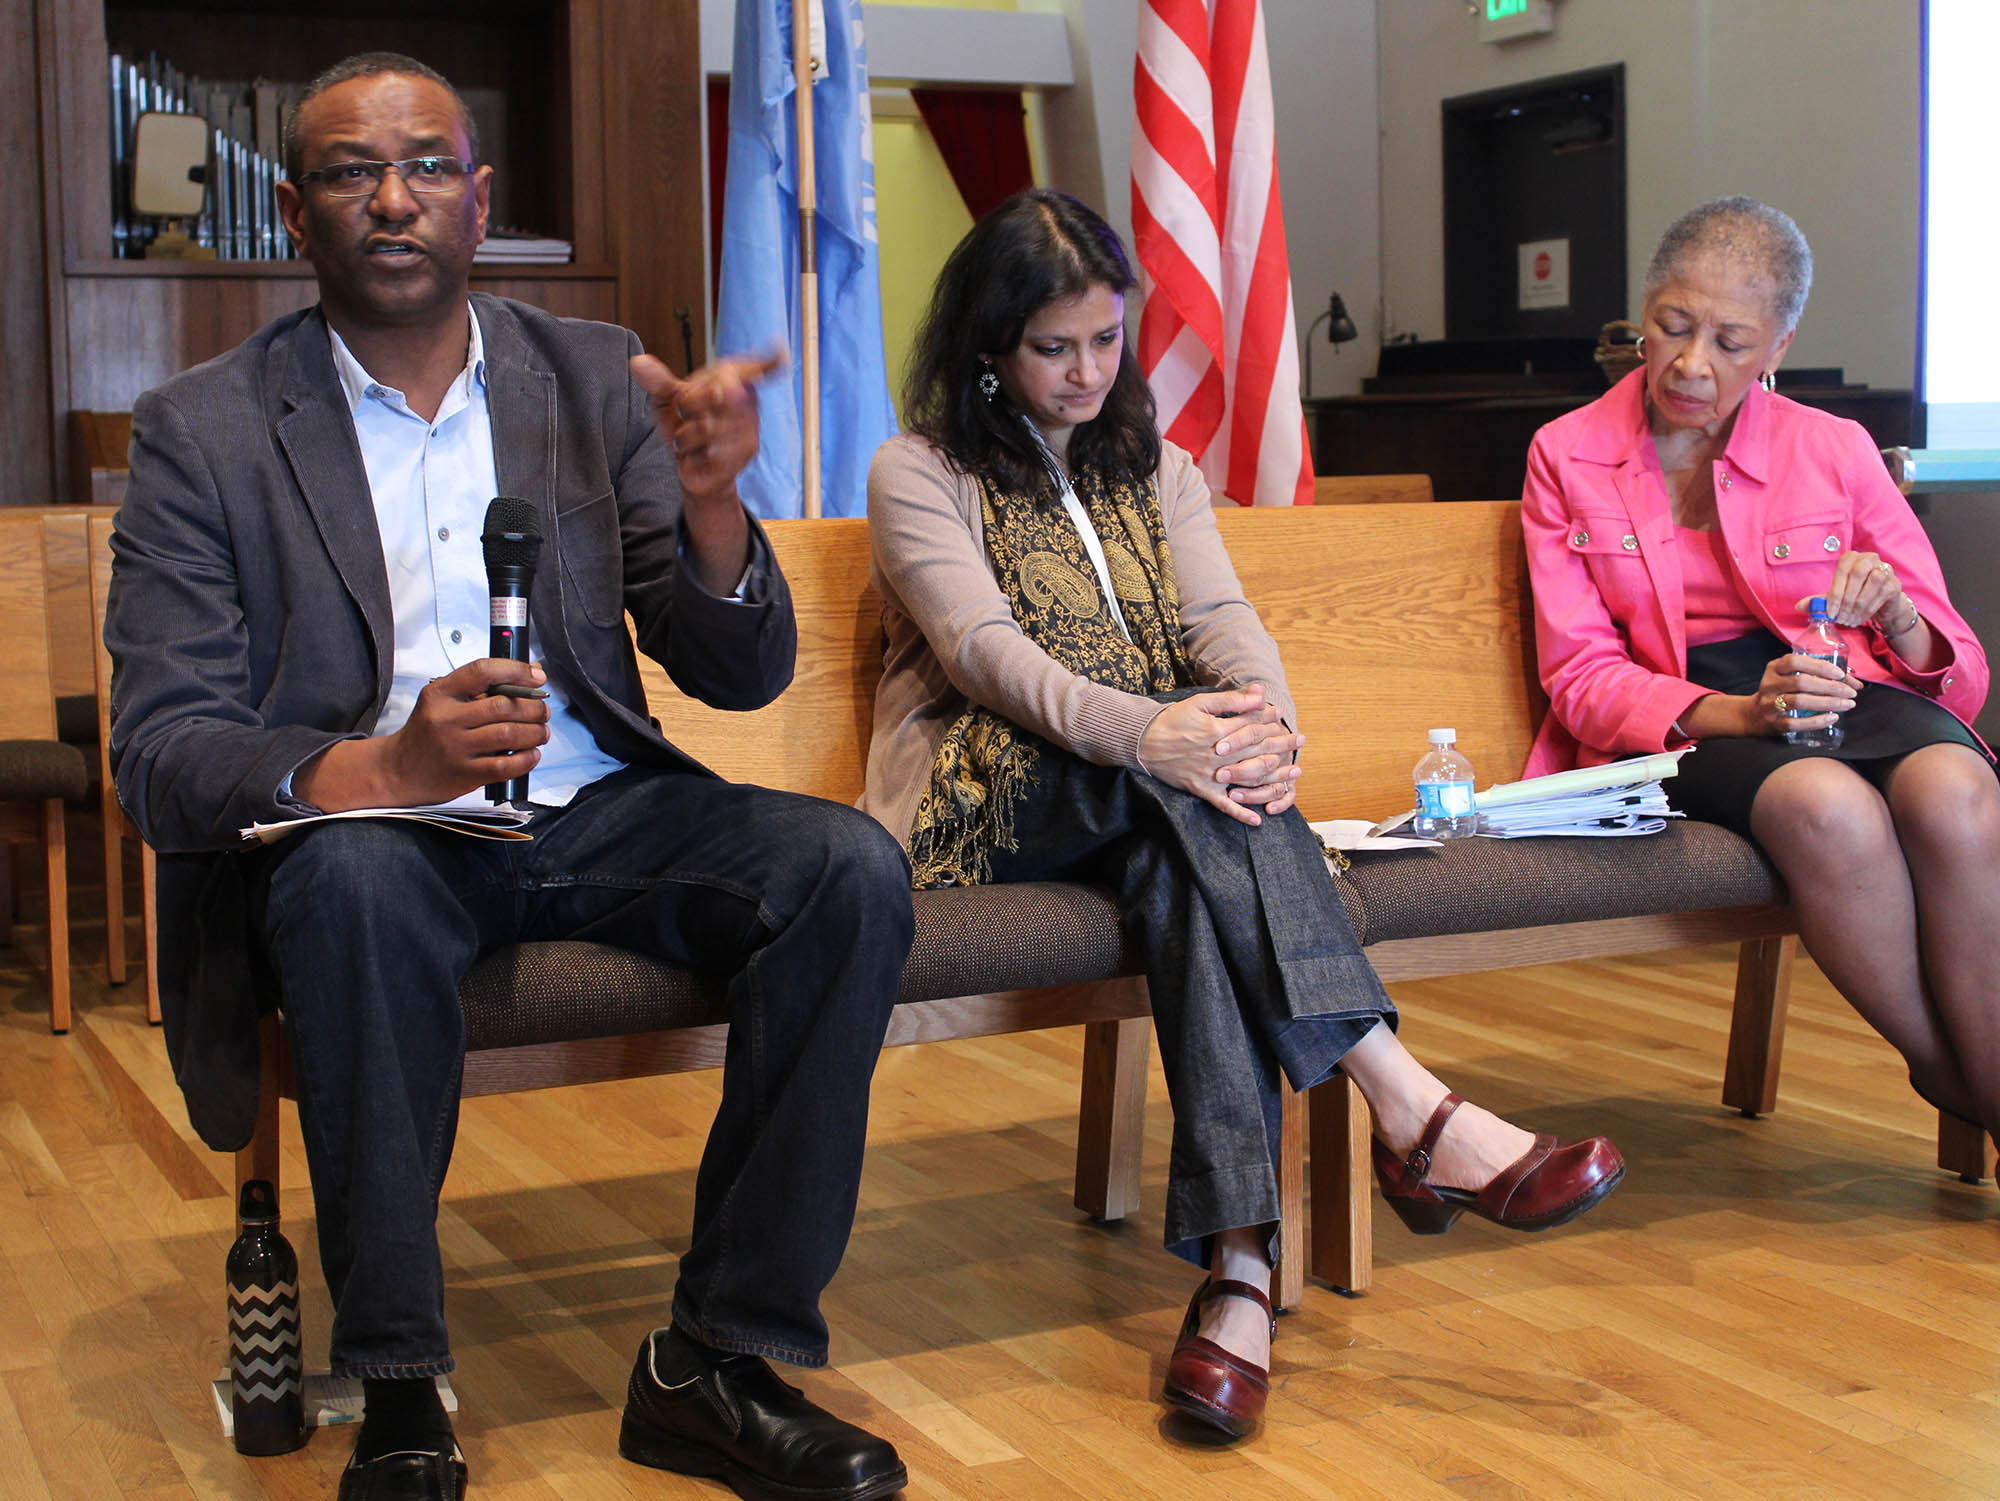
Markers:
<point>266,1359</point>
<point>1820,639</point>
<point>1444,790</point>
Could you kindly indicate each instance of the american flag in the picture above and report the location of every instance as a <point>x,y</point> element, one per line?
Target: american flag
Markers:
<point>1216,337</point>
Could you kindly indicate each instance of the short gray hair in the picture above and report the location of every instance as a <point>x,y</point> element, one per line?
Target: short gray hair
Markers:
<point>1746,231</point>
<point>366,65</point>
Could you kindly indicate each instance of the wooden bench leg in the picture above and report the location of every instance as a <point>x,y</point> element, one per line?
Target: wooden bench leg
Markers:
<point>1343,1185</point>
<point>1111,1121</point>
<point>149,915</point>
<point>1964,1148</point>
<point>260,1159</point>
<point>55,843</point>
<point>1757,1026</point>
<point>1288,1278</point>
<point>114,887</point>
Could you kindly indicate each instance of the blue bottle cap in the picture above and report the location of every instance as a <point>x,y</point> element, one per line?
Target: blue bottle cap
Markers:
<point>1816,605</point>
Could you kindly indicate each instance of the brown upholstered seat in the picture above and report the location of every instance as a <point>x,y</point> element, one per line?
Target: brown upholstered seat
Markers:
<point>985,938</point>
<point>1483,885</point>
<point>31,770</point>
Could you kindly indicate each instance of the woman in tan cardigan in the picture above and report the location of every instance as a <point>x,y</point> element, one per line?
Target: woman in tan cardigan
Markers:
<point>1075,687</point>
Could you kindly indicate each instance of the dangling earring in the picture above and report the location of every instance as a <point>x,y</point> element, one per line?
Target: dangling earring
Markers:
<point>1768,380</point>
<point>989,383</point>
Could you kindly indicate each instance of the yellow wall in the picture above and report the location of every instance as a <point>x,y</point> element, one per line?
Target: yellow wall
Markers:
<point>919,215</point>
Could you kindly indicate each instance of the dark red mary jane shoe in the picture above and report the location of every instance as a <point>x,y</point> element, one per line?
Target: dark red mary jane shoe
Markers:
<point>1549,1184</point>
<point>1208,1383</point>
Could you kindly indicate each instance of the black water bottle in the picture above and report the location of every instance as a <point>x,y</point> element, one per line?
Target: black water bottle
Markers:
<point>267,1369</point>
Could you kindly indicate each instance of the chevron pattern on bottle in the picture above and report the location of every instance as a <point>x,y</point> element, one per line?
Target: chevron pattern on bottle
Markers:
<point>265,1366</point>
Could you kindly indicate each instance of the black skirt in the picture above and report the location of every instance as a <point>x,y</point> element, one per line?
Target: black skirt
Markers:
<point>1719,778</point>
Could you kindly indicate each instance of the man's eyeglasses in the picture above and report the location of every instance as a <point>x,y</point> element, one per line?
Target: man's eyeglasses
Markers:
<point>420,174</point>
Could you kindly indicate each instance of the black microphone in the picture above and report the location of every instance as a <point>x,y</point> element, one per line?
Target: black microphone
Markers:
<point>512,544</point>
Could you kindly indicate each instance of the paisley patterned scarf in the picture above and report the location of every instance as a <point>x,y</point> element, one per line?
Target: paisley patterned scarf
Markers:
<point>986,764</point>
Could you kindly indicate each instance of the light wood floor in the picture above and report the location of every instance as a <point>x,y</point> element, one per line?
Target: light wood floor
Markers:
<point>1795,1306</point>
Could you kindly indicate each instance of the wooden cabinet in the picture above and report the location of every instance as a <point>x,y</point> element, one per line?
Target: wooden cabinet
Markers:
<point>590,113</point>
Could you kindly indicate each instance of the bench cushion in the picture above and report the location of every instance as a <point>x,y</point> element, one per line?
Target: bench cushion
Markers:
<point>978,940</point>
<point>1479,885</point>
<point>990,939</point>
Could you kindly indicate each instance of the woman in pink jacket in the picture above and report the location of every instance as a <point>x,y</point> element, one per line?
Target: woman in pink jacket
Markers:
<point>1676,529</point>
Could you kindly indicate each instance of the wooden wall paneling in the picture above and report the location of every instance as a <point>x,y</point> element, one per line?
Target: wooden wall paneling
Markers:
<point>27,415</point>
<point>77,117</point>
<point>129,332</point>
<point>653,163</point>
<point>594,297</point>
<point>583,107</point>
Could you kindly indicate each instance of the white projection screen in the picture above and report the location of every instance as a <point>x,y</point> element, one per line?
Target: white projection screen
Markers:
<point>1958,372</point>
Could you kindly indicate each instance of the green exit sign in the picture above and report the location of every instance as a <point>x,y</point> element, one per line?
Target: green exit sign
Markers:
<point>1505,20</point>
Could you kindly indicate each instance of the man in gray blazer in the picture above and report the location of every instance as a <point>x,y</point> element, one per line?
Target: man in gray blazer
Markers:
<point>298,620</point>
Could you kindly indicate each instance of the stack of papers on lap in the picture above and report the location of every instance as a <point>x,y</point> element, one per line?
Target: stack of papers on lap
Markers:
<point>500,821</point>
<point>1591,802</point>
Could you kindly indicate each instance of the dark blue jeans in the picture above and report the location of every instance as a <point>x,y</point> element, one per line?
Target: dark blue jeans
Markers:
<point>1251,965</point>
<point>371,924</point>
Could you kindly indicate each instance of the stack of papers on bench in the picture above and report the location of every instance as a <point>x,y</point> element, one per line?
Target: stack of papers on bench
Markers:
<point>1593,802</point>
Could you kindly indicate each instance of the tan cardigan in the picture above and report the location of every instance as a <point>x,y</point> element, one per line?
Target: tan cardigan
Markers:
<point>952,636</point>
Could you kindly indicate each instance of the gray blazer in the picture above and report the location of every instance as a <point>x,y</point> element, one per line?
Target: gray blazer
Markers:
<point>249,621</point>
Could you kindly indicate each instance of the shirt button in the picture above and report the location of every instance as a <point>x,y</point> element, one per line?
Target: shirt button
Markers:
<point>456,637</point>
<point>1831,544</point>
<point>1581,539</point>
<point>444,534</point>
<point>1629,542</point>
<point>1782,550</point>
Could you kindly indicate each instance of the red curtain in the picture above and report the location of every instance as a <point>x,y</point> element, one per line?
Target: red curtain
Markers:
<point>983,135</point>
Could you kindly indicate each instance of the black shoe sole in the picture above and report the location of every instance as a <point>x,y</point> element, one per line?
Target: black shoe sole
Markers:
<point>643,1444</point>
<point>1211,1417</point>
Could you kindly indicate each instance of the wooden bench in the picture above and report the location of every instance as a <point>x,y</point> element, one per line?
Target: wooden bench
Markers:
<point>1391,617</point>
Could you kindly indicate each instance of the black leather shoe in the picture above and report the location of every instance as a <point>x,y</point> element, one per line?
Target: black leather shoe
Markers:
<point>697,1411</point>
<point>407,1475</point>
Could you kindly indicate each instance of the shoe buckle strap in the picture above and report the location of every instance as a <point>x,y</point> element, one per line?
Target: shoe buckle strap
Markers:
<point>1418,1162</point>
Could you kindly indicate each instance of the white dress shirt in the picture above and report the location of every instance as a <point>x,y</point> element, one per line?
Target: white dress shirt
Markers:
<point>431,483</point>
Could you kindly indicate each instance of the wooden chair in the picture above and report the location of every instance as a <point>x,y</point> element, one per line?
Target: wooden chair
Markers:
<point>97,456</point>
<point>38,773</point>
<point>118,829</point>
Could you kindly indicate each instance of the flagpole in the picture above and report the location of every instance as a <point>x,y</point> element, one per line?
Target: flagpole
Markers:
<point>802,102</point>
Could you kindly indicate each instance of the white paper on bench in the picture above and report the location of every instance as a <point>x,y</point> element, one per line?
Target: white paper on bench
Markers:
<point>501,821</point>
<point>1590,801</point>
<point>1350,834</point>
<point>1633,771</point>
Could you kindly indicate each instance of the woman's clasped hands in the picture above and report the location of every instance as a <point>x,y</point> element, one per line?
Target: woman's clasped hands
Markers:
<point>1229,748</point>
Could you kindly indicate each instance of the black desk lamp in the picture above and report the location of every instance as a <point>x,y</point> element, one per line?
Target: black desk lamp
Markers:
<point>1339,329</point>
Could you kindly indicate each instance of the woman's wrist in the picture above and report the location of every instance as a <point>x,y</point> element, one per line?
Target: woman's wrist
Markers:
<point>1903,617</point>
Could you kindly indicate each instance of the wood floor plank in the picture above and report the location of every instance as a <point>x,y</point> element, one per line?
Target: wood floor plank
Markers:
<point>1798,1305</point>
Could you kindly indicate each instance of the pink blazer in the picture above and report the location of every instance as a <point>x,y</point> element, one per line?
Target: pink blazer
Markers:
<point>1796,488</point>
